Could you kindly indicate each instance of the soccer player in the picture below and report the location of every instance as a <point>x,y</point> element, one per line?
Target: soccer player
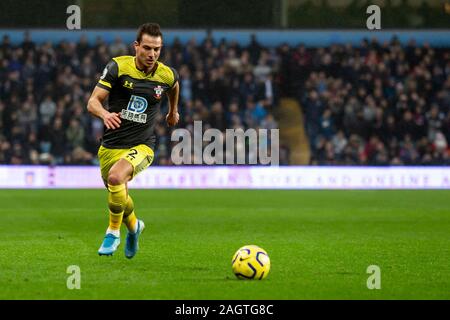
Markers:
<point>134,87</point>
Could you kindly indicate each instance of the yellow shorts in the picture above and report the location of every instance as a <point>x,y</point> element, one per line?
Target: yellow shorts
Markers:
<point>140,157</point>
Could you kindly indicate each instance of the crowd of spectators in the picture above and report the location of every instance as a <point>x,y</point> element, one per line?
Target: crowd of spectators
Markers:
<point>44,89</point>
<point>373,104</point>
<point>376,104</point>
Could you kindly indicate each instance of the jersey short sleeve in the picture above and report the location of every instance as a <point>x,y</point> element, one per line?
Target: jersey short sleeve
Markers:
<point>109,76</point>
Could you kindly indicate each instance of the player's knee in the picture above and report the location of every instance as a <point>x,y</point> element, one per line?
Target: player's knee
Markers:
<point>115,179</point>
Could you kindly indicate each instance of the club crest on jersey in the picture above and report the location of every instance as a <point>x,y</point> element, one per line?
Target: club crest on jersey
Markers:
<point>158,92</point>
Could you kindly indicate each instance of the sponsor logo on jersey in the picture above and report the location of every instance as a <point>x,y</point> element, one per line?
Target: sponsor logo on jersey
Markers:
<point>133,116</point>
<point>135,110</point>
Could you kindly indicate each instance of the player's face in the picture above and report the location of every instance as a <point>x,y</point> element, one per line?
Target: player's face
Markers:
<point>148,50</point>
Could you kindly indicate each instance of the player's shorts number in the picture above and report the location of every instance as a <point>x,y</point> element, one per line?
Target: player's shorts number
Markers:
<point>132,154</point>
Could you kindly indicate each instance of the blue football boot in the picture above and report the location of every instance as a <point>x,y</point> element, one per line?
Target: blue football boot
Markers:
<point>109,245</point>
<point>132,244</point>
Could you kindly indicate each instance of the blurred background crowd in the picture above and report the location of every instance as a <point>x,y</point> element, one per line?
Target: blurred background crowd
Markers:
<point>44,91</point>
<point>379,104</point>
<point>372,104</point>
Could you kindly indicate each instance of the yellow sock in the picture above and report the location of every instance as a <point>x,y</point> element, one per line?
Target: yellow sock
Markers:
<point>116,202</point>
<point>115,220</point>
<point>131,222</point>
<point>129,217</point>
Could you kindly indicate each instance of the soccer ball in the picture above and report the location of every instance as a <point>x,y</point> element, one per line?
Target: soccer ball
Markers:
<point>251,262</point>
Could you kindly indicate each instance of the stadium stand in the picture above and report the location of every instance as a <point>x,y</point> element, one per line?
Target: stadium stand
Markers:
<point>373,104</point>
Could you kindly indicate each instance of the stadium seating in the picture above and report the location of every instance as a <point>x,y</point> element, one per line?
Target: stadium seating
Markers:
<point>375,104</point>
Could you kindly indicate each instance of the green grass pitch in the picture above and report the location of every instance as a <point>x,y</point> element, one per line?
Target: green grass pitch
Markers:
<point>320,244</point>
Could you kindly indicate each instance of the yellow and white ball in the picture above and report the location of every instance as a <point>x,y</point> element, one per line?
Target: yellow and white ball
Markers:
<point>251,263</point>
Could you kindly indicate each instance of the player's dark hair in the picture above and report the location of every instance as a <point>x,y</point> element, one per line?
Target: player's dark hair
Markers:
<point>150,28</point>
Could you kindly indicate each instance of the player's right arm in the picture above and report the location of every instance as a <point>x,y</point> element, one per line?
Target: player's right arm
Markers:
<point>101,93</point>
<point>95,107</point>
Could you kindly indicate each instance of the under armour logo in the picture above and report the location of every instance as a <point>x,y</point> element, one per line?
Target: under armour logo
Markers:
<point>128,84</point>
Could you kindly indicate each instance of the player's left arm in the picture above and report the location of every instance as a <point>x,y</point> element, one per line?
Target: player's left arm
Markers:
<point>172,116</point>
